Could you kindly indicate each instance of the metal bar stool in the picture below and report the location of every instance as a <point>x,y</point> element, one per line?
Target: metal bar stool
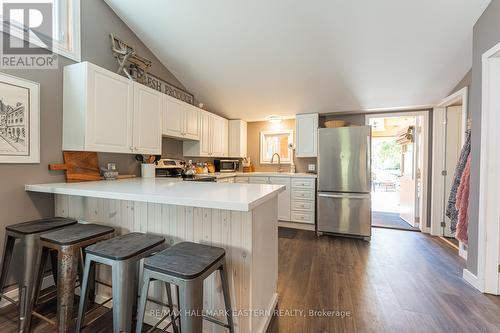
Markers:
<point>187,265</point>
<point>123,254</point>
<point>28,234</point>
<point>68,243</point>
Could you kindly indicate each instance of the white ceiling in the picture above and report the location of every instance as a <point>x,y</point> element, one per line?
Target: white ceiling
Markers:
<point>250,59</point>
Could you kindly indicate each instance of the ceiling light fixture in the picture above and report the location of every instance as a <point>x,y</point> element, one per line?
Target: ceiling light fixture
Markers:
<point>274,119</point>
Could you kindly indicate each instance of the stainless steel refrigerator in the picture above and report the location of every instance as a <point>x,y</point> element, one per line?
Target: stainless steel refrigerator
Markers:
<point>344,181</point>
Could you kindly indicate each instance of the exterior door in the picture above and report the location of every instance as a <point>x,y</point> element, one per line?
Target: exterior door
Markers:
<point>407,182</point>
<point>147,116</point>
<point>110,126</point>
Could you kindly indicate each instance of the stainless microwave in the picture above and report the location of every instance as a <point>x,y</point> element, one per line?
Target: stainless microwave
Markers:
<point>226,165</point>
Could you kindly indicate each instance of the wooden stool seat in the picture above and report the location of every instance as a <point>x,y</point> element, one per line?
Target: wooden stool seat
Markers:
<point>185,260</point>
<point>126,246</point>
<point>41,225</point>
<point>76,234</point>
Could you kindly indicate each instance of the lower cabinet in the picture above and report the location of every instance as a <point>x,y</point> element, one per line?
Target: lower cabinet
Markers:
<point>297,202</point>
<point>283,198</point>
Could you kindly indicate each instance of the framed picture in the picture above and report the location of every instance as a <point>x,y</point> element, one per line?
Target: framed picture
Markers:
<point>19,120</point>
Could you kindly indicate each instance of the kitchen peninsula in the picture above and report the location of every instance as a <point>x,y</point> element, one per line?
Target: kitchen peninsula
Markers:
<point>242,218</point>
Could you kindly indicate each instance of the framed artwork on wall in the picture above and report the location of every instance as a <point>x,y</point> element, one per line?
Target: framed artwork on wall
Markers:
<point>19,120</point>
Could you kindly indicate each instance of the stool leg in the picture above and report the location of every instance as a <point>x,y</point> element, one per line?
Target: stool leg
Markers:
<point>53,264</point>
<point>191,305</point>
<point>8,248</point>
<point>88,272</point>
<point>171,306</point>
<point>227,297</point>
<point>66,274</point>
<point>141,307</point>
<point>39,278</point>
<point>32,257</point>
<point>124,278</point>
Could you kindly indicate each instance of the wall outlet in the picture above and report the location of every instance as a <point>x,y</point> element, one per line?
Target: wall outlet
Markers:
<point>311,167</point>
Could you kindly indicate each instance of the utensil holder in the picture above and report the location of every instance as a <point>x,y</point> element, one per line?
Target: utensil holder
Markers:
<point>147,170</point>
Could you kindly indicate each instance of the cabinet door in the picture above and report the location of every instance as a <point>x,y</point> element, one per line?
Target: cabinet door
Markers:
<point>173,117</point>
<point>191,122</point>
<point>217,136</point>
<point>147,116</point>
<point>225,138</point>
<point>306,127</point>
<point>241,180</point>
<point>283,197</point>
<point>206,135</point>
<point>110,112</point>
<point>258,180</point>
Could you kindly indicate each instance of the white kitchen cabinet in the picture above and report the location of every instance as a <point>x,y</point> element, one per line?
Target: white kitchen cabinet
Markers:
<point>226,180</point>
<point>306,129</point>
<point>218,136</point>
<point>283,197</point>
<point>180,120</point>
<point>241,180</point>
<point>258,180</point>
<point>147,113</point>
<point>213,137</point>
<point>297,203</point>
<point>237,138</point>
<point>106,112</point>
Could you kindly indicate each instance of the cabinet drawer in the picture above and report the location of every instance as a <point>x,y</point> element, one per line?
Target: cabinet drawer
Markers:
<point>304,217</point>
<point>241,180</point>
<point>306,206</point>
<point>303,183</point>
<point>302,194</point>
<point>258,180</point>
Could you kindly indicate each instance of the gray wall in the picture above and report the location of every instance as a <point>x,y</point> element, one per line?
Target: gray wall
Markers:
<point>486,35</point>
<point>98,20</point>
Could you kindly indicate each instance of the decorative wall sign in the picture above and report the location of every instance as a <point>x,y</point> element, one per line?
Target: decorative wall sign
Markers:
<point>138,70</point>
<point>19,120</point>
<point>156,83</point>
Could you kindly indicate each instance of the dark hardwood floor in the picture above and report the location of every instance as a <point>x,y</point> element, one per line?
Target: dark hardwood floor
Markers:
<point>400,282</point>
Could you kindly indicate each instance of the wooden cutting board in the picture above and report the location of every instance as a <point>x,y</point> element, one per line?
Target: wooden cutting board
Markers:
<point>79,166</point>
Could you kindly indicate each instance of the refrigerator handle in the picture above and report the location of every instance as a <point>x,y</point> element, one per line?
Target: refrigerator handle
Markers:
<point>344,196</point>
<point>369,159</point>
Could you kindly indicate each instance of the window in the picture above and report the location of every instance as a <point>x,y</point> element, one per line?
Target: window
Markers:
<point>275,142</point>
<point>66,27</point>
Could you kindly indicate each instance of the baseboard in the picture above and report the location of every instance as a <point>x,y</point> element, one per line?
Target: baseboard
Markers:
<point>295,225</point>
<point>462,250</point>
<point>14,293</point>
<point>472,279</point>
<point>271,307</point>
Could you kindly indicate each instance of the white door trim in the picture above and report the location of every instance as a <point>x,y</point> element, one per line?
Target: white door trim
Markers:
<point>489,210</point>
<point>425,158</point>
<point>438,151</point>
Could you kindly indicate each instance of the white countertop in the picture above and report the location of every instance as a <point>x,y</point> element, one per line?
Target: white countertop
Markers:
<point>221,175</point>
<point>239,197</point>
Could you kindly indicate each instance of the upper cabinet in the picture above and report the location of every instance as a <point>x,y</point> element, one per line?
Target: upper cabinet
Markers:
<point>237,138</point>
<point>306,127</point>
<point>106,112</point>
<point>213,137</point>
<point>180,120</point>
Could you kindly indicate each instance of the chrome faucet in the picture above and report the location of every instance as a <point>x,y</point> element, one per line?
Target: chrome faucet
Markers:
<point>280,169</point>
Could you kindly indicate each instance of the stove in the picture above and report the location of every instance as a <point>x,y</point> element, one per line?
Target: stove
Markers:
<point>171,168</point>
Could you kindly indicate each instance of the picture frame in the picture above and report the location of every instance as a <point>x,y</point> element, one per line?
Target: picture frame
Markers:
<point>19,120</point>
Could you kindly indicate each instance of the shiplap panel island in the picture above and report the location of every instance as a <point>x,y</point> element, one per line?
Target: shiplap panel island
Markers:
<point>242,218</point>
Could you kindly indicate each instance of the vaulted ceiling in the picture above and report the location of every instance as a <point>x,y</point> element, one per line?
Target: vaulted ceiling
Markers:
<point>250,59</point>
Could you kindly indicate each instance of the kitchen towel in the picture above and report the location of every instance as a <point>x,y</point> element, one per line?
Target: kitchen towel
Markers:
<point>463,204</point>
<point>451,209</point>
